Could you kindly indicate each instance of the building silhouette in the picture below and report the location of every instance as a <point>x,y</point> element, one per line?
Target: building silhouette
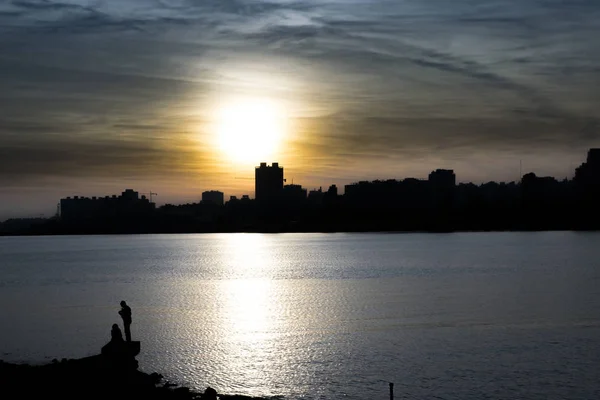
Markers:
<point>433,204</point>
<point>268,182</point>
<point>588,173</point>
<point>315,197</point>
<point>213,197</point>
<point>388,194</point>
<point>126,206</point>
<point>442,183</point>
<point>442,179</point>
<point>332,191</point>
<point>587,190</point>
<point>294,195</point>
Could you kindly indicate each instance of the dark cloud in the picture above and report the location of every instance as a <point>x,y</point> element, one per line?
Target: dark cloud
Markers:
<point>376,136</point>
<point>83,158</point>
<point>46,5</point>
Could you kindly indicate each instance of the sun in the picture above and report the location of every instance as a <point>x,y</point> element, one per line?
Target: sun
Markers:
<point>250,130</point>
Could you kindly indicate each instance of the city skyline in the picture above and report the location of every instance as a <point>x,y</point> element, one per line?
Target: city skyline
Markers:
<point>435,204</point>
<point>274,177</point>
<point>178,97</point>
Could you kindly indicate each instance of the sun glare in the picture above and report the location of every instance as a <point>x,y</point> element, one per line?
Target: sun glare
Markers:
<point>250,131</point>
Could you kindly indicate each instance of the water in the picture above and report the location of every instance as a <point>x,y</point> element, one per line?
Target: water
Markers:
<point>449,316</point>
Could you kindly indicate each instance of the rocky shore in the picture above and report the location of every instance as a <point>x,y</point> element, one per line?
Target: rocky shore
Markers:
<point>111,375</point>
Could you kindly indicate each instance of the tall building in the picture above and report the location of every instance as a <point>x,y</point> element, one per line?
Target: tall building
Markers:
<point>213,197</point>
<point>588,173</point>
<point>587,186</point>
<point>268,182</point>
<point>442,183</point>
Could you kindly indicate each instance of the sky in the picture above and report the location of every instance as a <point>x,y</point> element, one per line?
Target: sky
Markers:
<point>99,96</point>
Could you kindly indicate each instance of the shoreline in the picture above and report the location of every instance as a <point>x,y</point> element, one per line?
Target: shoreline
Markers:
<point>98,376</point>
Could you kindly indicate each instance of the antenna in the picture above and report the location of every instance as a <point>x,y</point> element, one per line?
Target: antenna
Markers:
<point>520,170</point>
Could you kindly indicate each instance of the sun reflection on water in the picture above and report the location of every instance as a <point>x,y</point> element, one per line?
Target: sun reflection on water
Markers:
<point>247,302</point>
<point>248,254</point>
<point>249,310</point>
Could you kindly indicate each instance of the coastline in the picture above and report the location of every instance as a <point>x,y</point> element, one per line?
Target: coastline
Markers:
<point>97,377</point>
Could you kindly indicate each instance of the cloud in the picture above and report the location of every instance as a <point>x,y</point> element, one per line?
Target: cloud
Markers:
<point>90,88</point>
<point>63,158</point>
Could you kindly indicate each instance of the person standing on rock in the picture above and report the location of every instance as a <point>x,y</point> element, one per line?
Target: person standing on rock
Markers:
<point>125,313</point>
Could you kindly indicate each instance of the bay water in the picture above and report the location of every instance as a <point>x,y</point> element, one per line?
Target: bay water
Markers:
<point>320,316</point>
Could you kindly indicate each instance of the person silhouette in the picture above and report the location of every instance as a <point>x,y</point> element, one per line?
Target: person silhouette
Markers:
<point>115,334</point>
<point>116,343</point>
<point>125,313</point>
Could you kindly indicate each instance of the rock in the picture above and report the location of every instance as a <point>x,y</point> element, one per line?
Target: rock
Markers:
<point>209,394</point>
<point>155,378</point>
<point>93,377</point>
<point>182,391</point>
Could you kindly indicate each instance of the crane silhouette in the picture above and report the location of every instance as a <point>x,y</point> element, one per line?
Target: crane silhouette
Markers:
<point>150,195</point>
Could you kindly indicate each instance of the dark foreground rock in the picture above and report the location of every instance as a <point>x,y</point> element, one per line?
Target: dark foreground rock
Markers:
<point>97,377</point>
